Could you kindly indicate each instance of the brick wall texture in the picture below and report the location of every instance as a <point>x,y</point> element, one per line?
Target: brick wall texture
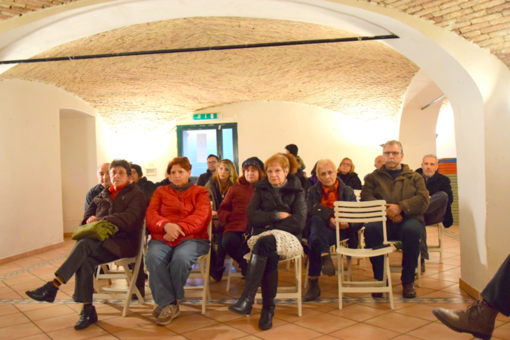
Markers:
<point>363,80</point>
<point>484,22</point>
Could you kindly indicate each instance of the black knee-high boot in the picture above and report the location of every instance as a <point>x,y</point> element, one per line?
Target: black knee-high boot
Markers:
<point>269,288</point>
<point>256,269</point>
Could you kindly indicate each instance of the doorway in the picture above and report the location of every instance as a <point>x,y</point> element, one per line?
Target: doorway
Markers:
<point>198,141</point>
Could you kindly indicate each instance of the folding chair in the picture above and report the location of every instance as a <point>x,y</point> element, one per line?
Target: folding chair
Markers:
<point>204,268</point>
<point>438,248</point>
<point>113,293</point>
<point>362,212</point>
<point>231,274</point>
<point>293,292</point>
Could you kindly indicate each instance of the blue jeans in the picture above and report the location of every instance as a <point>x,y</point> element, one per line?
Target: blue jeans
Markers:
<point>169,268</point>
<point>408,232</point>
<point>321,237</point>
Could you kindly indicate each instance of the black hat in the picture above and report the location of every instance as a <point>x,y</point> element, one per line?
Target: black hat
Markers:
<point>254,161</point>
<point>293,149</point>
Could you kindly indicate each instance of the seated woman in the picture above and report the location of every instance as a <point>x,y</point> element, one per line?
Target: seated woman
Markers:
<point>232,212</point>
<point>121,204</point>
<point>347,175</point>
<point>177,217</point>
<point>277,214</point>
<point>320,228</point>
<point>218,186</point>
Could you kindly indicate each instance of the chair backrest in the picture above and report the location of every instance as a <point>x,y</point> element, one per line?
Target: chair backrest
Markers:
<point>359,212</point>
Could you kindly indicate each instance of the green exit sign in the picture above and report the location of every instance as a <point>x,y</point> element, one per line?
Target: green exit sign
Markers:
<point>205,116</point>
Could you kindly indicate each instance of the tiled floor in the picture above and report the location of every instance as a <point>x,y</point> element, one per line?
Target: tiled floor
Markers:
<point>361,318</point>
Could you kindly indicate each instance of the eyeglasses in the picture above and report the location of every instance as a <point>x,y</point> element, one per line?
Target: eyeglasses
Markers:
<point>345,164</point>
<point>394,153</point>
<point>212,162</point>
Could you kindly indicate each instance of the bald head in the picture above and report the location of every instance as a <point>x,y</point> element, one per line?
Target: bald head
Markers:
<point>103,176</point>
<point>379,161</point>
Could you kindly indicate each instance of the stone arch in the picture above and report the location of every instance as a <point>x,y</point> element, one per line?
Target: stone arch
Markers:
<point>477,94</point>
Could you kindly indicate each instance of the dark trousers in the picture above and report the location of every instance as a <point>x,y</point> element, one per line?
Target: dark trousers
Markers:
<point>497,291</point>
<point>320,238</point>
<point>218,255</point>
<point>434,214</point>
<point>82,261</point>
<point>408,232</point>
<point>231,242</point>
<point>266,246</point>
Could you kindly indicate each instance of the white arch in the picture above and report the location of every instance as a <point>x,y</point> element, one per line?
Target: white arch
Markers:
<point>478,94</point>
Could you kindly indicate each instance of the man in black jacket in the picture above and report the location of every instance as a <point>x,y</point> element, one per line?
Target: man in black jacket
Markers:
<point>104,181</point>
<point>441,199</point>
<point>212,164</point>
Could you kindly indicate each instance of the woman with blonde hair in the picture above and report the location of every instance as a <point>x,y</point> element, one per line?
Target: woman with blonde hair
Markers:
<point>277,215</point>
<point>347,175</point>
<point>218,185</point>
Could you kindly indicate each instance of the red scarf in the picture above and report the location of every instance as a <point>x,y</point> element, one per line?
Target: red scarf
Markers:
<point>114,192</point>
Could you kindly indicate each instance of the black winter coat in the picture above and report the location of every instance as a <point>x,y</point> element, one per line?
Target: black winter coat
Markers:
<point>204,178</point>
<point>438,183</point>
<point>127,212</point>
<point>147,187</point>
<point>265,203</point>
<point>351,179</point>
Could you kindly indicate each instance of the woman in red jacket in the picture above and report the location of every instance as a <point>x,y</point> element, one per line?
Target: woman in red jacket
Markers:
<point>232,212</point>
<point>177,217</point>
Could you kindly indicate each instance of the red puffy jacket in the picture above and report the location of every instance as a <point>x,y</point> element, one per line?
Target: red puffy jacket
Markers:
<point>233,210</point>
<point>190,209</point>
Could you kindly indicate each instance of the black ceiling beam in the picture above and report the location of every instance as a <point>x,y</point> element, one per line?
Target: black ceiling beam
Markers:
<point>200,49</point>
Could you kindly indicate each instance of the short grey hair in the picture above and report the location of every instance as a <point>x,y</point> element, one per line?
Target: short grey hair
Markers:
<point>429,156</point>
<point>392,142</point>
<point>323,162</point>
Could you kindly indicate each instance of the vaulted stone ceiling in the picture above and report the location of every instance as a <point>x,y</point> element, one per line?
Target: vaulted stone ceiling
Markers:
<point>365,80</point>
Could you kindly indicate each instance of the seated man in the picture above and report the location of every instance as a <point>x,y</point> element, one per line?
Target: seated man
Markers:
<point>146,186</point>
<point>441,199</point>
<point>121,204</point>
<point>104,181</point>
<point>212,164</point>
<point>480,317</point>
<point>320,229</point>
<point>378,163</point>
<point>407,199</point>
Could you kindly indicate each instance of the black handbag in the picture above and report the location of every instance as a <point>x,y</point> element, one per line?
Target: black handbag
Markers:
<point>323,212</point>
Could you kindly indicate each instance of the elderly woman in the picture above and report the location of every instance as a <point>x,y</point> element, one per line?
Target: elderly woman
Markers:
<point>218,186</point>
<point>347,175</point>
<point>320,228</point>
<point>177,217</point>
<point>277,214</point>
<point>121,204</point>
<point>232,212</point>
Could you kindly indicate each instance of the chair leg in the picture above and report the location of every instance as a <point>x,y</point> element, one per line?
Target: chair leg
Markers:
<point>305,285</point>
<point>229,273</point>
<point>440,233</point>
<point>340,279</point>
<point>299,276</point>
<point>388,277</point>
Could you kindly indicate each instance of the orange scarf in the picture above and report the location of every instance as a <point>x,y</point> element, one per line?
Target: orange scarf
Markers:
<point>114,192</point>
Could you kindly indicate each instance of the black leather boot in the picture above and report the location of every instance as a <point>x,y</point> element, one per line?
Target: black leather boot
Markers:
<point>256,269</point>
<point>87,318</point>
<point>269,289</point>
<point>47,293</point>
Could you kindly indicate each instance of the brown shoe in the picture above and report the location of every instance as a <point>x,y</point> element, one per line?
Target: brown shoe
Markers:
<point>408,290</point>
<point>328,268</point>
<point>478,319</point>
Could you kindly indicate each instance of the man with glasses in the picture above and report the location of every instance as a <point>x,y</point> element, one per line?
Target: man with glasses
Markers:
<point>212,164</point>
<point>407,200</point>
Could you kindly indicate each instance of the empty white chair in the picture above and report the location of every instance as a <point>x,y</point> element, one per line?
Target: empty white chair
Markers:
<point>439,247</point>
<point>362,212</point>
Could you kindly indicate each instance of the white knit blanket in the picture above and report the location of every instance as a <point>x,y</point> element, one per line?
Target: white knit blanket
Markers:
<point>287,245</point>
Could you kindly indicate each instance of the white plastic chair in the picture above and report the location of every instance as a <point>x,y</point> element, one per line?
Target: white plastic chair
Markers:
<point>232,274</point>
<point>438,248</point>
<point>204,268</point>
<point>113,293</point>
<point>293,292</point>
<point>362,212</point>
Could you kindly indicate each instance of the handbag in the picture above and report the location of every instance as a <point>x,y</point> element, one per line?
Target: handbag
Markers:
<point>99,230</point>
<point>323,212</point>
